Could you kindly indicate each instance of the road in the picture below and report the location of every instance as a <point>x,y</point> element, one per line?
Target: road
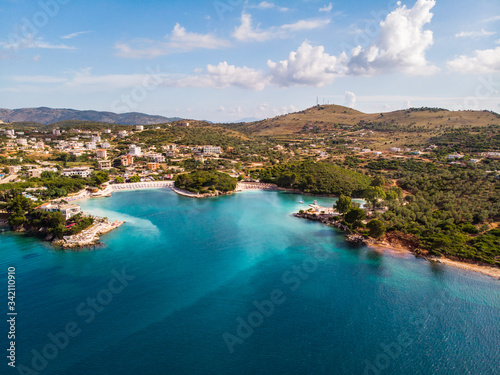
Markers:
<point>8,179</point>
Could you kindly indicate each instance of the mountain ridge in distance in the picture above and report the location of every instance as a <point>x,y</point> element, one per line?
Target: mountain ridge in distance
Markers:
<point>47,116</point>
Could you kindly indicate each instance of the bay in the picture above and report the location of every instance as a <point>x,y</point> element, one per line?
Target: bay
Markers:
<point>198,268</point>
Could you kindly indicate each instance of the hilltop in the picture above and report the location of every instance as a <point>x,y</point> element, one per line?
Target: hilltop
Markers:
<point>330,117</point>
<point>414,126</point>
<point>46,116</point>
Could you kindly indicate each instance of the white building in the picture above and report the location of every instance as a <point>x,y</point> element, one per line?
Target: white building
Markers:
<point>492,155</point>
<point>212,150</point>
<point>134,150</point>
<point>107,131</point>
<point>122,133</point>
<point>96,138</point>
<point>102,154</point>
<point>105,145</point>
<point>22,141</point>
<point>454,156</point>
<point>56,132</point>
<point>37,172</point>
<point>104,164</point>
<point>39,145</point>
<point>67,210</point>
<point>14,168</point>
<point>139,128</point>
<point>157,158</point>
<point>395,149</point>
<point>90,145</point>
<point>78,171</point>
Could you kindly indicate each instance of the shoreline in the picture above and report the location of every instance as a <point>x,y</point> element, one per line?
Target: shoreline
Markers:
<point>88,237</point>
<point>464,265</point>
<point>384,247</point>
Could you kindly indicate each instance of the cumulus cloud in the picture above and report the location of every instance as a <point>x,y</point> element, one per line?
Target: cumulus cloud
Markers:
<point>483,61</point>
<point>178,40</point>
<point>246,31</point>
<point>474,34</point>
<point>401,45</point>
<point>307,66</point>
<point>349,99</point>
<point>224,75</point>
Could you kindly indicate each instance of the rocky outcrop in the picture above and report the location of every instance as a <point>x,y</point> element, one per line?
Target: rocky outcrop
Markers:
<point>325,219</point>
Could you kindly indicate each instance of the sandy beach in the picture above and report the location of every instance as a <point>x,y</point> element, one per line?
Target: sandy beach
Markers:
<point>402,251</point>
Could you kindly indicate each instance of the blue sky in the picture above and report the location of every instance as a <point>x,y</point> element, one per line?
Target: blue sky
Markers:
<point>224,60</point>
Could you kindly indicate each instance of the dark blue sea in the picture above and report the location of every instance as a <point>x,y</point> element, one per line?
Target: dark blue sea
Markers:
<point>237,285</point>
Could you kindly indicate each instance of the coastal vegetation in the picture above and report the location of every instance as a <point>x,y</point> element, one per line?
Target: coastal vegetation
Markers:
<point>448,212</point>
<point>24,216</point>
<point>206,182</point>
<point>317,178</point>
<point>55,186</point>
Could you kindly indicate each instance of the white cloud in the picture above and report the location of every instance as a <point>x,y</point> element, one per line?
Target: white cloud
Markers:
<point>182,39</point>
<point>492,19</point>
<point>224,75</point>
<point>483,61</point>
<point>474,34</point>
<point>265,5</point>
<point>179,40</point>
<point>305,25</point>
<point>307,66</point>
<point>349,99</point>
<point>326,8</point>
<point>247,32</point>
<point>401,45</point>
<point>268,5</point>
<point>219,76</point>
<point>30,42</point>
<point>148,49</point>
<point>265,110</point>
<point>70,36</point>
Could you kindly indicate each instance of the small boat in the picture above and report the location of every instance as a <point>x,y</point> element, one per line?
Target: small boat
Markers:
<point>301,201</point>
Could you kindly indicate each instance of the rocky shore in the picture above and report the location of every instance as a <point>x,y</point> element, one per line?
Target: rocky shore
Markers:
<point>89,236</point>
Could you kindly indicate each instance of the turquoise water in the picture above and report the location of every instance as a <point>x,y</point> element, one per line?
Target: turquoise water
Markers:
<point>310,303</point>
